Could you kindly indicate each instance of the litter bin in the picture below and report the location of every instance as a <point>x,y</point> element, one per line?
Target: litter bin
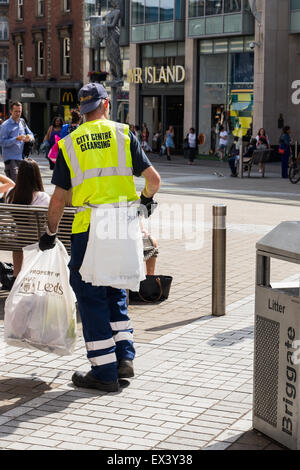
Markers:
<point>276,397</point>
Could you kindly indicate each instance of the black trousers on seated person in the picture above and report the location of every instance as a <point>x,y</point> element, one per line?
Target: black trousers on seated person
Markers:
<point>232,161</point>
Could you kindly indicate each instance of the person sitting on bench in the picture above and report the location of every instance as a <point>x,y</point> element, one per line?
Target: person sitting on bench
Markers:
<point>234,157</point>
<point>28,191</point>
<point>249,154</point>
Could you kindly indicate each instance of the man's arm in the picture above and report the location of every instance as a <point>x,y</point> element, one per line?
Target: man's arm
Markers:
<point>4,140</point>
<point>56,209</point>
<point>29,135</point>
<point>62,196</point>
<point>152,183</point>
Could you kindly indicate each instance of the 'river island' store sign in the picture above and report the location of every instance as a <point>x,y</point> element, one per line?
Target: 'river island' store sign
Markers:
<point>155,75</point>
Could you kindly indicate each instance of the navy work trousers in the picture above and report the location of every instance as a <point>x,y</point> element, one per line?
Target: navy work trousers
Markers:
<point>107,329</point>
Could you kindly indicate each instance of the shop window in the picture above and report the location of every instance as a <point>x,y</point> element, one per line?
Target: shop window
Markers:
<point>232,6</point>
<point>40,58</point>
<point>66,56</point>
<point>20,59</point>
<point>225,91</point>
<point>20,10</point>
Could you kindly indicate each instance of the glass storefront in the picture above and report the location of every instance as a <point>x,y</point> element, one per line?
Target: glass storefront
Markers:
<point>162,102</point>
<point>225,89</point>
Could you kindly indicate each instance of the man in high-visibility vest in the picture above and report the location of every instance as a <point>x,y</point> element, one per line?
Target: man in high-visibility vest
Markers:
<point>96,163</point>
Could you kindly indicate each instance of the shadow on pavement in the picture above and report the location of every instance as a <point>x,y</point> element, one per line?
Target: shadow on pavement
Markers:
<point>178,324</point>
<point>233,336</point>
<point>254,440</point>
<point>17,391</point>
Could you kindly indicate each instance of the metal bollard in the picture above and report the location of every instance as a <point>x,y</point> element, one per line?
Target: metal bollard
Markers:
<point>219,260</point>
<point>241,173</point>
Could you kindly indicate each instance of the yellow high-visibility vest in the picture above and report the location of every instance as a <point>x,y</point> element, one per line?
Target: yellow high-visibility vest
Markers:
<point>98,156</point>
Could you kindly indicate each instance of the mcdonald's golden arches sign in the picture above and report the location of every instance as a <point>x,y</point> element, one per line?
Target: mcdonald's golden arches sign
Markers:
<point>68,97</point>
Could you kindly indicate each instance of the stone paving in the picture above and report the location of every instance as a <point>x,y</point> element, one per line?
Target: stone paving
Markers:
<point>193,384</point>
<point>192,390</point>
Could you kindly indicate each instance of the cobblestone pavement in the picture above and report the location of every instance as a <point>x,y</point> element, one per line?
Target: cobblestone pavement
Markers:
<point>193,384</point>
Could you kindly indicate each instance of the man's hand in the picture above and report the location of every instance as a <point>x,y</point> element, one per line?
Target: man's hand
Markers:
<point>147,207</point>
<point>47,242</point>
<point>27,138</point>
<point>21,138</point>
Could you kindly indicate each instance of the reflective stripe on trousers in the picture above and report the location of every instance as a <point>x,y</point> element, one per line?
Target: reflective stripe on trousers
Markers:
<point>107,329</point>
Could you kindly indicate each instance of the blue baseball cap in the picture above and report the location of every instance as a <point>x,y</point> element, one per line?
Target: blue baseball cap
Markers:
<point>90,97</point>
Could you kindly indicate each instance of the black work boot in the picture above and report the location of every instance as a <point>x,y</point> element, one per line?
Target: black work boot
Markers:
<point>80,379</point>
<point>125,369</point>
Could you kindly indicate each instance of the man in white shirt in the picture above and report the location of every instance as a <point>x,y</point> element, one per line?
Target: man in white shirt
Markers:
<point>222,142</point>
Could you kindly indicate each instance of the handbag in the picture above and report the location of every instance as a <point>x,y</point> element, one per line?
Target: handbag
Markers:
<point>27,149</point>
<point>6,275</point>
<point>153,289</point>
<point>281,151</point>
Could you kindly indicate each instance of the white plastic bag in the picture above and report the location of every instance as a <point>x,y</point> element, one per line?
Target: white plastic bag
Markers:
<point>40,311</point>
<point>114,255</point>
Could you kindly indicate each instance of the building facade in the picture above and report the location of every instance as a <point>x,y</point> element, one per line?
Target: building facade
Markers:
<point>199,52</point>
<point>186,63</point>
<point>277,67</point>
<point>46,58</point>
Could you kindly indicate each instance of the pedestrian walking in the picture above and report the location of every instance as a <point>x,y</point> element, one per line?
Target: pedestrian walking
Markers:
<point>72,126</point>
<point>169,141</point>
<point>263,143</point>
<point>97,163</point>
<point>145,137</point>
<point>192,141</point>
<point>53,134</point>
<point>285,150</point>
<point>223,141</point>
<point>14,132</point>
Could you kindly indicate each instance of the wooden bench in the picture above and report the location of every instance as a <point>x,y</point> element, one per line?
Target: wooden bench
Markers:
<point>21,226</point>
<point>259,156</point>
